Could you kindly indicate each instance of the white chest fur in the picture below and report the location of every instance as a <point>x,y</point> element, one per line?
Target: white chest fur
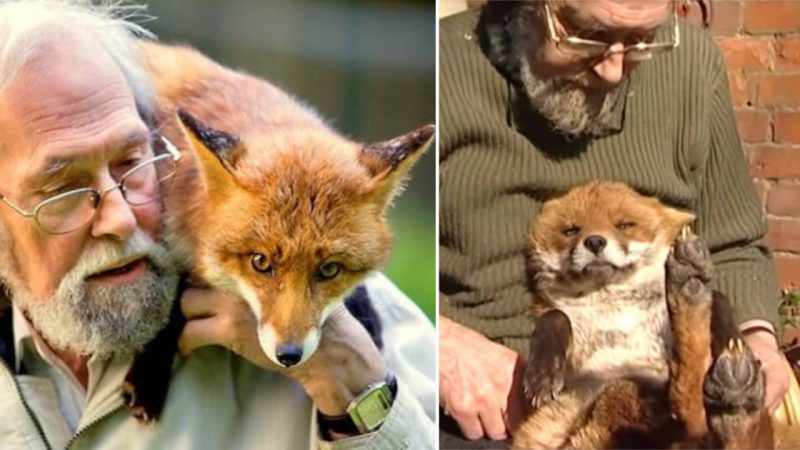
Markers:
<point>621,330</point>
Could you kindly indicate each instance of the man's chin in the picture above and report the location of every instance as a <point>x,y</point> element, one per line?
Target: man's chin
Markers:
<point>575,106</point>
<point>106,318</point>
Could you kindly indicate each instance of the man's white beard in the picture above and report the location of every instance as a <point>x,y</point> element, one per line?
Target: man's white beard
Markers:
<point>100,319</point>
<point>564,102</point>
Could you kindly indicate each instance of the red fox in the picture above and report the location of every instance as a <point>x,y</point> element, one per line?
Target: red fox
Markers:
<point>269,203</point>
<point>627,325</point>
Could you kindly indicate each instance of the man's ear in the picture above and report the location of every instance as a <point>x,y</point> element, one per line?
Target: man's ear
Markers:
<point>388,162</point>
<point>217,151</point>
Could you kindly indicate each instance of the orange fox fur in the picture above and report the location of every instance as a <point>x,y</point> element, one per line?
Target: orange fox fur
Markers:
<point>627,330</point>
<point>269,203</point>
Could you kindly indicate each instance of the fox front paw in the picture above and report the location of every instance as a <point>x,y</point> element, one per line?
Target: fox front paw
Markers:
<point>689,267</point>
<point>735,382</point>
<point>544,379</point>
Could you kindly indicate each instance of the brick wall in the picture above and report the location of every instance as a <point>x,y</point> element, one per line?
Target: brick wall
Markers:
<point>761,43</point>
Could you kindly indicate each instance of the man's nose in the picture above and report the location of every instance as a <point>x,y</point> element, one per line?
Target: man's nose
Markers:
<point>114,217</point>
<point>611,68</point>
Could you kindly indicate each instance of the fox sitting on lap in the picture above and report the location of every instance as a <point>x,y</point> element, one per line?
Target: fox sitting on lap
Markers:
<point>627,328</point>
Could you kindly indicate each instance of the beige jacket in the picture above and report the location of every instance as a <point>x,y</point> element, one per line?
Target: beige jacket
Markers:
<point>220,401</point>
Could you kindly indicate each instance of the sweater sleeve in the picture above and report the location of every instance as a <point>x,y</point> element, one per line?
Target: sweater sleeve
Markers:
<point>730,215</point>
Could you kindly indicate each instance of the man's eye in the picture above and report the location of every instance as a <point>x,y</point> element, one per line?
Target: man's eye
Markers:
<point>129,163</point>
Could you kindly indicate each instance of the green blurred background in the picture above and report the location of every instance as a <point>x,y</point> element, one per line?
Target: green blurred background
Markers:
<point>367,66</point>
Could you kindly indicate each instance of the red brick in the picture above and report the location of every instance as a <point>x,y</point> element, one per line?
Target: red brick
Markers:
<point>778,89</point>
<point>784,235</point>
<point>788,271</point>
<point>769,161</point>
<point>727,18</point>
<point>725,21</point>
<point>787,127</point>
<point>753,125</point>
<point>740,94</point>
<point>771,16</point>
<point>784,200</point>
<point>746,53</point>
<point>787,53</point>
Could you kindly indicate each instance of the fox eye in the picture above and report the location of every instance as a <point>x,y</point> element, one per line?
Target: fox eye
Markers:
<point>328,270</point>
<point>260,263</point>
<point>622,226</point>
<point>571,230</point>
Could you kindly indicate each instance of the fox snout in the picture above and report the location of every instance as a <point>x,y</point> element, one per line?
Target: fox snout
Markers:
<point>595,243</point>
<point>287,352</point>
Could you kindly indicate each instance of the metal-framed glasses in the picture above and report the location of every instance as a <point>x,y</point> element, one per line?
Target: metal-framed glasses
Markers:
<point>68,211</point>
<point>588,48</point>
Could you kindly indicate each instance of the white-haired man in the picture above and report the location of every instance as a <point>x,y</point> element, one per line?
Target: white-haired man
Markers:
<point>89,284</point>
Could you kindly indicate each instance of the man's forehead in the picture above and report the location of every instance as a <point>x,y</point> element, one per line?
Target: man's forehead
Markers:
<point>615,14</point>
<point>75,71</point>
<point>69,100</point>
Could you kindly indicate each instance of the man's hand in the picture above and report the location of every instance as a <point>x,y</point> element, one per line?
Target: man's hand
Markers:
<point>344,365</point>
<point>479,382</point>
<point>765,348</point>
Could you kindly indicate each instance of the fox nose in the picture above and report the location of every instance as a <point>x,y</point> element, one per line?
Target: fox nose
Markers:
<point>595,243</point>
<point>289,354</point>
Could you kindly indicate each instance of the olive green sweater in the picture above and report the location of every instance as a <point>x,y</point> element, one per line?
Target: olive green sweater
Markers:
<point>676,139</point>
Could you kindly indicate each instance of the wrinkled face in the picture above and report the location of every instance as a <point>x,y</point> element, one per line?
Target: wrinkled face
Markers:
<point>575,88</point>
<point>309,226</point>
<point>604,233</point>
<point>69,121</point>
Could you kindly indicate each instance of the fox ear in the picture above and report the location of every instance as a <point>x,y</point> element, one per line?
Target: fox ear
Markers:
<point>388,162</point>
<point>216,150</point>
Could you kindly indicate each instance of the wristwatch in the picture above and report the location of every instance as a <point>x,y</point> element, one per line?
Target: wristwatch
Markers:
<point>366,412</point>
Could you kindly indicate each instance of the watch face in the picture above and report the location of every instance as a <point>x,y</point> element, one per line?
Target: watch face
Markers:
<point>372,410</point>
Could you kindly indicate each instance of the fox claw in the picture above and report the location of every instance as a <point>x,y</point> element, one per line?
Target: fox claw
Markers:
<point>543,380</point>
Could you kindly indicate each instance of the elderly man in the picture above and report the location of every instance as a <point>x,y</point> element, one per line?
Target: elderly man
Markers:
<point>539,96</point>
<point>89,284</point>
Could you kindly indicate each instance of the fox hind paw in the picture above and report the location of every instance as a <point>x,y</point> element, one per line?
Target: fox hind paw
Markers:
<point>735,381</point>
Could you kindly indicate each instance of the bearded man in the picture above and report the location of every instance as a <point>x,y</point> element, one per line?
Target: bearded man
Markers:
<point>90,285</point>
<point>537,97</point>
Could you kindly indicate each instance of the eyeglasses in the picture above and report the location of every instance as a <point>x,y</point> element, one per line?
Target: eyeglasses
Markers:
<point>68,211</point>
<point>588,48</point>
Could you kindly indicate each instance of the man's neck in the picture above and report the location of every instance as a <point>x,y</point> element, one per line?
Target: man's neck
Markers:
<point>76,363</point>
